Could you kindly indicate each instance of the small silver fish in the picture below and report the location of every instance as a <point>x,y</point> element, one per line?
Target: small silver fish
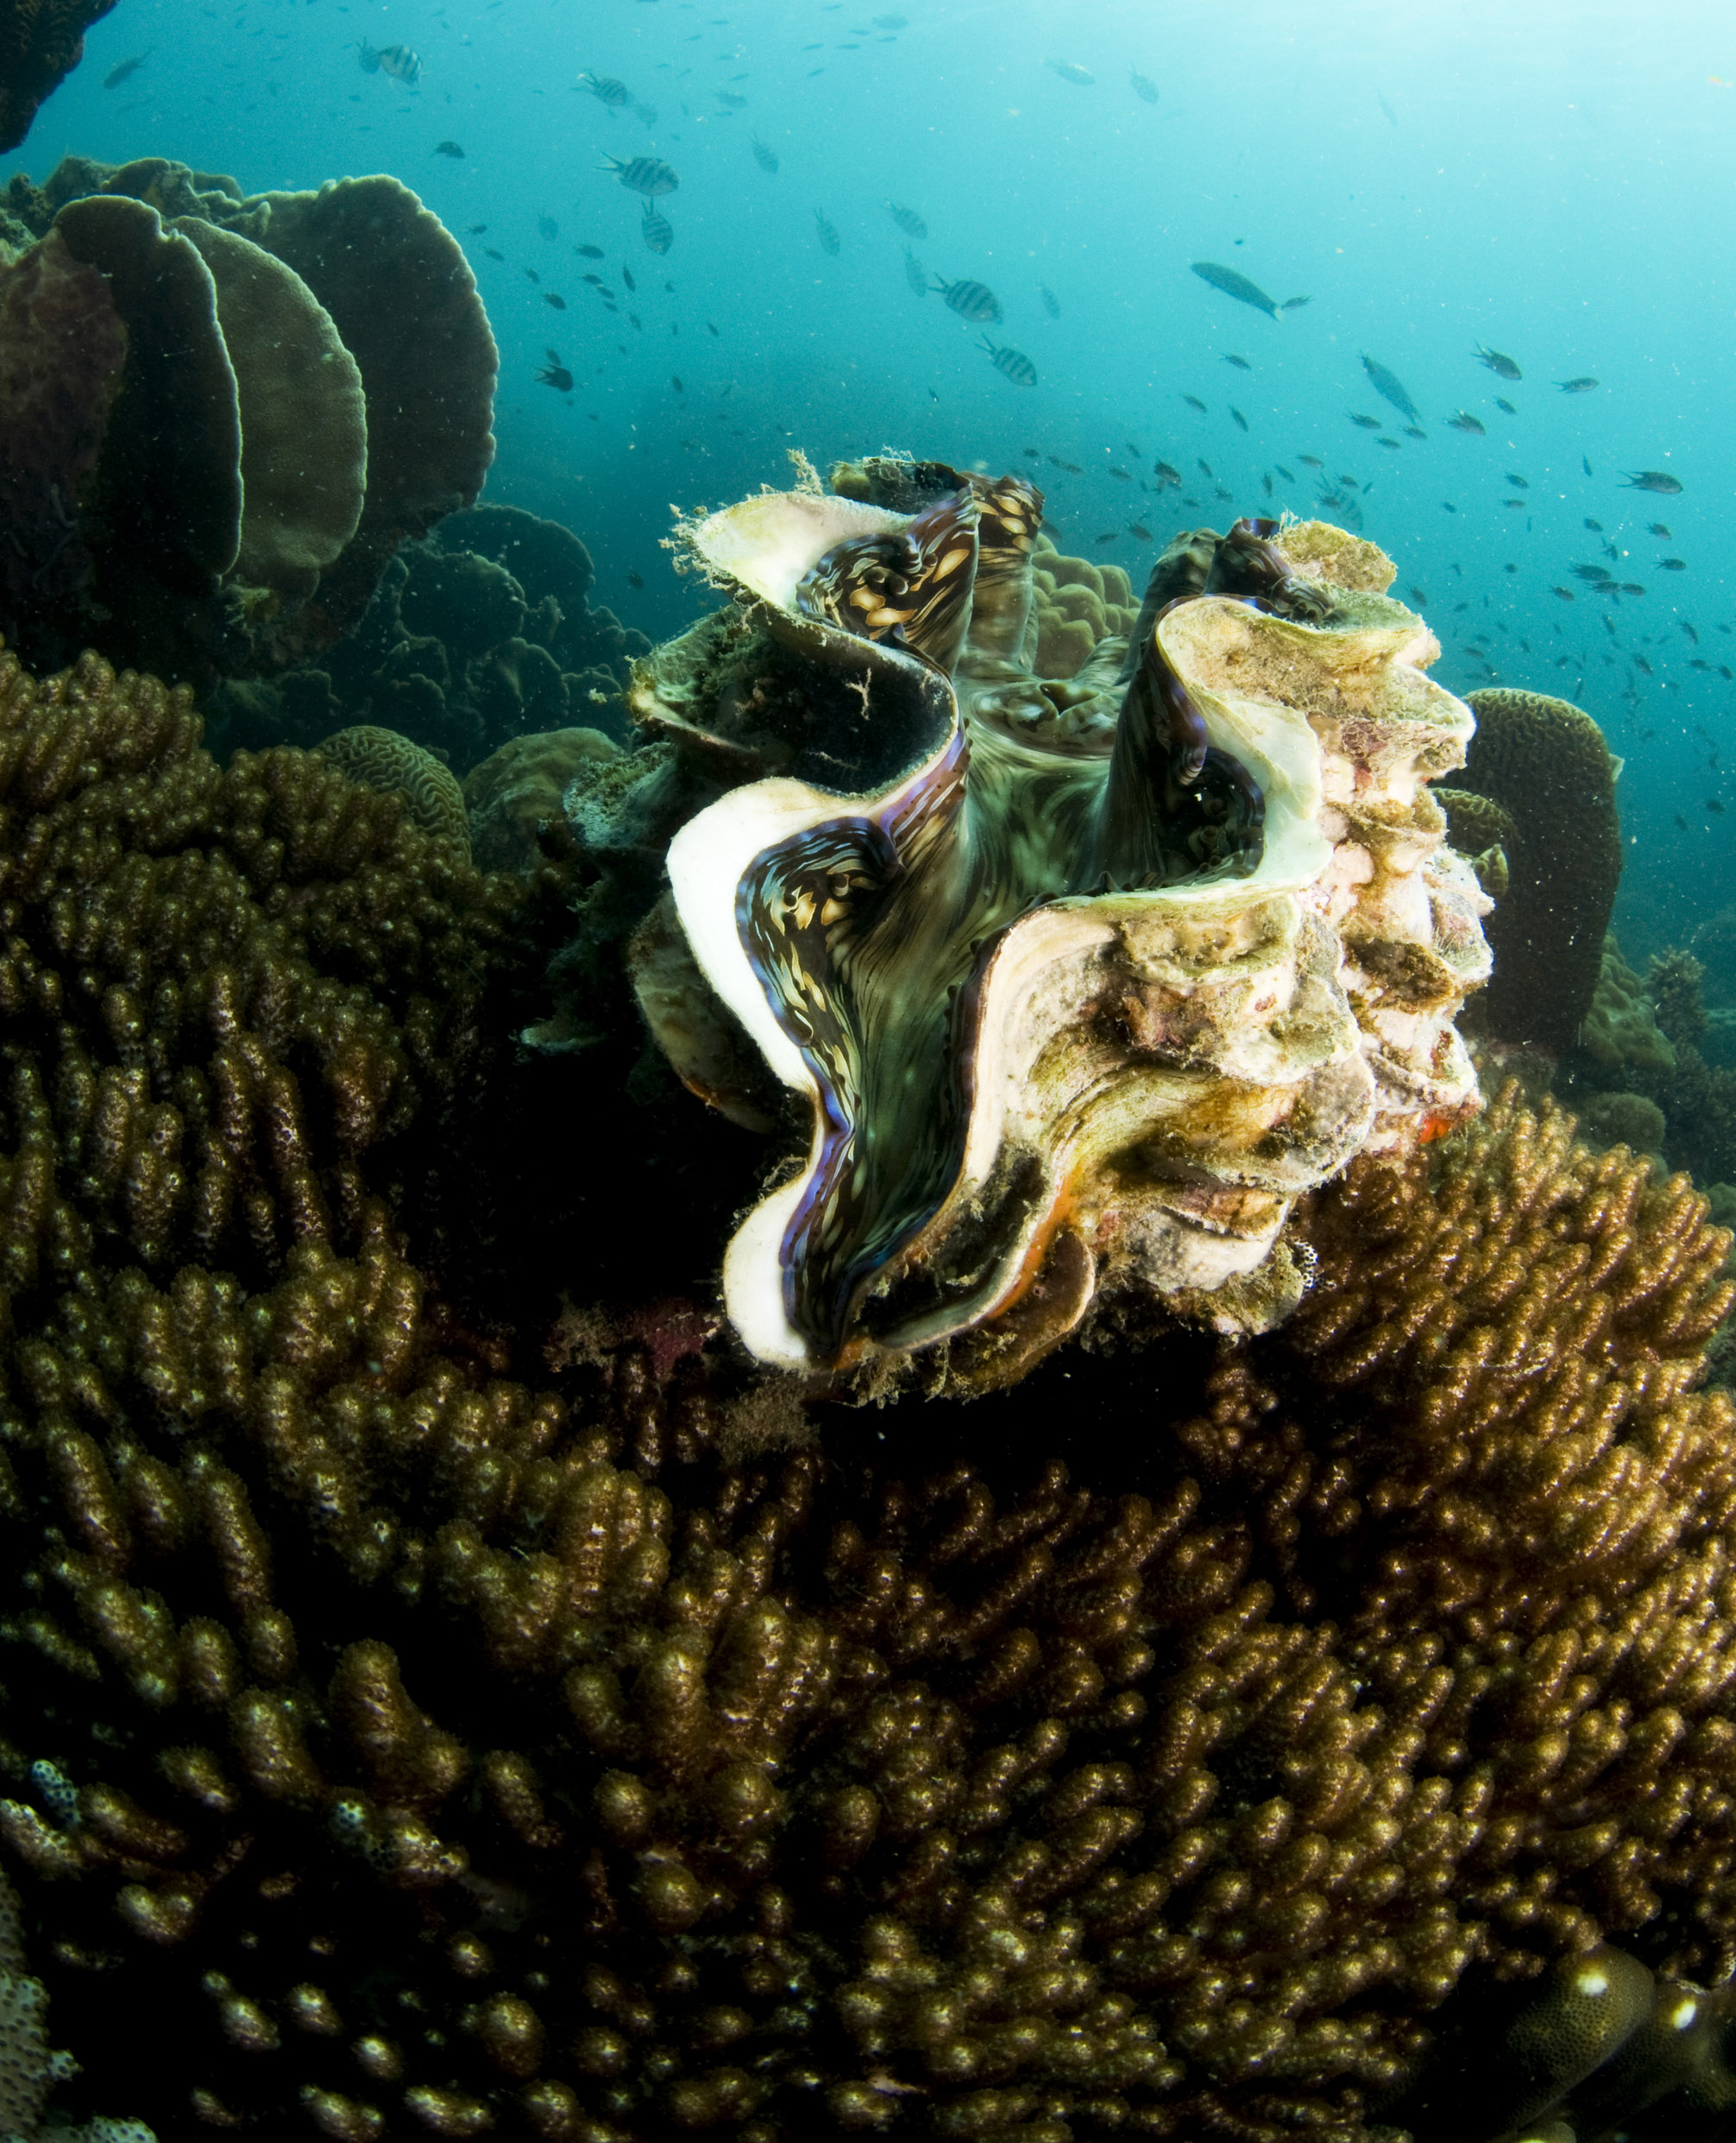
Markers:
<point>1464,421</point>
<point>1070,72</point>
<point>1498,363</point>
<point>1578,387</point>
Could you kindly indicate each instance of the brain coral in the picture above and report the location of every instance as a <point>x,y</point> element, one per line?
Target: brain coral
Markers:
<point>394,1746</point>
<point>1544,763</point>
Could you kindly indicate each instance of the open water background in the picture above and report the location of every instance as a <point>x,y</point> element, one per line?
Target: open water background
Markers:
<point>1553,180</point>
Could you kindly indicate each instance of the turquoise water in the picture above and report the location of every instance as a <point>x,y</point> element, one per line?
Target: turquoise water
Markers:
<point>1542,180</point>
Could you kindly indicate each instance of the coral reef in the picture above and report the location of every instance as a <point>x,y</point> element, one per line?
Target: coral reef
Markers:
<point>427,1752</point>
<point>28,2070</point>
<point>1079,983</point>
<point>1614,1118</point>
<point>1621,1029</point>
<point>41,43</point>
<point>514,797</point>
<point>479,635</point>
<point>381,759</point>
<point>1543,763</point>
<point>269,396</point>
<point>1076,605</point>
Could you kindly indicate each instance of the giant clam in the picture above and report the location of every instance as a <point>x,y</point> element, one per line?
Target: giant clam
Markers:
<point>1081,983</point>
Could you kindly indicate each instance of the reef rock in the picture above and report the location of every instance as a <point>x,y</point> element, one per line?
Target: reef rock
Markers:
<point>1079,984</point>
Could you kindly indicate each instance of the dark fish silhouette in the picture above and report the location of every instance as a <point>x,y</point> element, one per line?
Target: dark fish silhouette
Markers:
<point>1052,304</point>
<point>1363,424</point>
<point>1139,529</point>
<point>1236,285</point>
<point>1194,403</point>
<point>729,100</point>
<point>1519,484</point>
<point>1657,480</point>
<point>636,580</point>
<point>1168,479</point>
<point>591,253</point>
<point>675,381</point>
<point>397,60</point>
<point>548,227</point>
<point>915,274</point>
<point>974,302</point>
<point>827,233</point>
<point>607,90</point>
<point>557,377</point>
<point>907,220</point>
<point>1498,363</point>
<point>643,174</point>
<point>1672,565</point>
<point>1241,364</point>
<point>126,69</point>
<point>1577,386</point>
<point>1069,71</point>
<point>1143,87</point>
<point>1242,422</point>
<point>1652,528</point>
<point>1017,367</point>
<point>1501,402</point>
<point>656,230</point>
<point>765,158</point>
<point>448,148</point>
<point>555,298</point>
<point>1462,421</point>
<point>1585,464</point>
<point>1390,388</point>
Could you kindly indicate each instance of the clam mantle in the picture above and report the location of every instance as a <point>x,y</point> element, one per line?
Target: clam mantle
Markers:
<point>1081,983</point>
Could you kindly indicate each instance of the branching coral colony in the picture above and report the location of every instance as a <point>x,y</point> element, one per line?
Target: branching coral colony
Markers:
<point>1328,1733</point>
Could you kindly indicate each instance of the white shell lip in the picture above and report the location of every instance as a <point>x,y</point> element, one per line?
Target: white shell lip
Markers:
<point>766,544</point>
<point>707,860</point>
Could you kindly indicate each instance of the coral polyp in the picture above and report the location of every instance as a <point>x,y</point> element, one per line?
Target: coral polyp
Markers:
<point>1081,983</point>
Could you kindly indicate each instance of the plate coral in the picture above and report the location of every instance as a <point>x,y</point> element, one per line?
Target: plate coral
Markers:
<point>267,396</point>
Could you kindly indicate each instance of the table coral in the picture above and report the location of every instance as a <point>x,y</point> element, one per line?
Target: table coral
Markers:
<point>348,419</point>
